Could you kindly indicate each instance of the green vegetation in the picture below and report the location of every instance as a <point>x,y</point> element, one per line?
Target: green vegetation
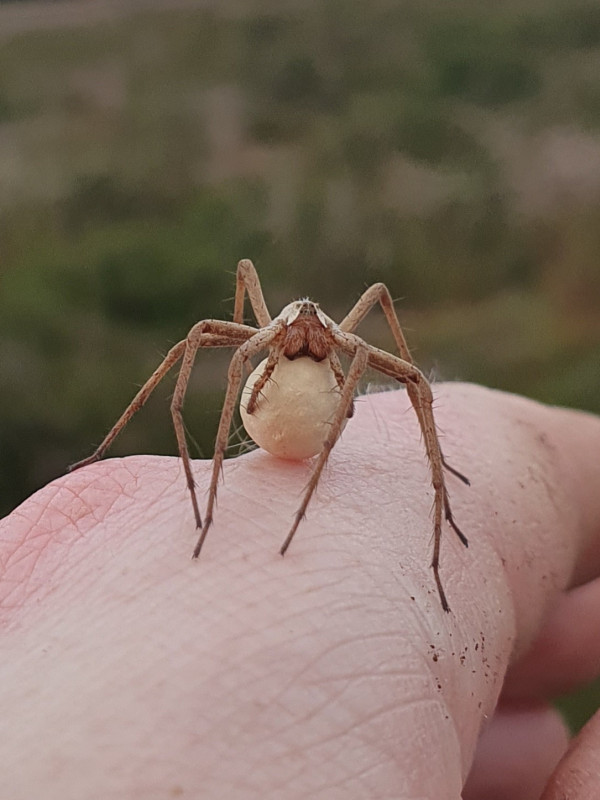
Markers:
<point>453,155</point>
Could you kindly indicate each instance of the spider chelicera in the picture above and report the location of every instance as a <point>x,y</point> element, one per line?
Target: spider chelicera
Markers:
<point>300,331</point>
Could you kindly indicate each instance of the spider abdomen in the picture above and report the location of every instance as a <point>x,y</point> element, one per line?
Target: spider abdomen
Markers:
<point>295,408</point>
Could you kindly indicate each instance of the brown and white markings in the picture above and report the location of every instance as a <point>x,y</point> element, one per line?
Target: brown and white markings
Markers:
<point>300,332</point>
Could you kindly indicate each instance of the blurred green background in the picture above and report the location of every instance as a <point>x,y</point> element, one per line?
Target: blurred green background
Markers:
<point>450,150</point>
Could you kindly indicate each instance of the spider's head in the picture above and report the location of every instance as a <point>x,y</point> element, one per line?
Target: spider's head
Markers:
<point>304,309</point>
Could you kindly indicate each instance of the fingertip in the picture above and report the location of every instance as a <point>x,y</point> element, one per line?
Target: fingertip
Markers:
<point>517,753</point>
<point>577,776</point>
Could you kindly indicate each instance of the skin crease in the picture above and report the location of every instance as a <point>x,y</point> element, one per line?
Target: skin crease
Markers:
<point>129,671</point>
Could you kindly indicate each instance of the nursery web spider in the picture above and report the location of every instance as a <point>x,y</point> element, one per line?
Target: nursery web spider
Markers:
<point>301,331</point>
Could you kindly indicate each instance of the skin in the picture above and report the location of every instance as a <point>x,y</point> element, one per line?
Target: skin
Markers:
<point>129,671</point>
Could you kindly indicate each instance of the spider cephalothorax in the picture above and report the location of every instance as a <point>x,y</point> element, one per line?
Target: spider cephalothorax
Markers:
<point>300,332</point>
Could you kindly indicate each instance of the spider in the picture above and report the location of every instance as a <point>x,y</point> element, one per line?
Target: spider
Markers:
<point>300,334</point>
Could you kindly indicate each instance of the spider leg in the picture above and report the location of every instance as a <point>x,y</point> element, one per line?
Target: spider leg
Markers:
<point>337,370</point>
<point>213,334</point>
<point>455,472</point>
<point>261,340</point>
<point>379,293</point>
<point>340,378</point>
<point>235,334</point>
<point>172,357</point>
<point>247,282</point>
<point>272,361</point>
<point>422,401</point>
<point>357,367</point>
<point>451,522</point>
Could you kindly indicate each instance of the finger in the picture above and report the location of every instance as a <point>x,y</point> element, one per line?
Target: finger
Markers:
<point>566,654</point>
<point>577,777</point>
<point>329,668</point>
<point>587,464</point>
<point>533,496</point>
<point>242,676</point>
<point>575,442</point>
<point>516,754</point>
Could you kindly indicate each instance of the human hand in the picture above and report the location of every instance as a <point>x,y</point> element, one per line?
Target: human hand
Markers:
<point>130,671</point>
